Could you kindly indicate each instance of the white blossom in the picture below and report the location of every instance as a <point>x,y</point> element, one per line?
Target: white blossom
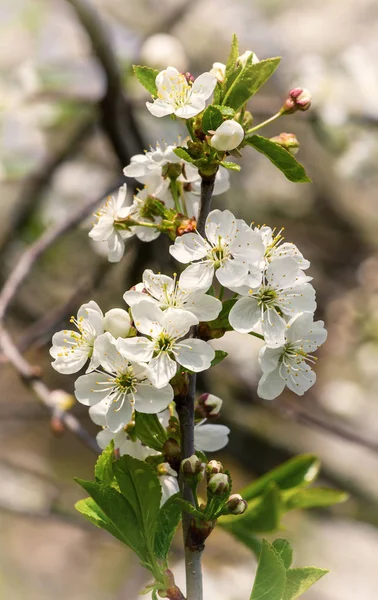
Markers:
<point>242,59</point>
<point>144,165</point>
<point>118,322</point>
<point>284,292</point>
<point>162,343</point>
<point>72,349</point>
<point>210,437</point>
<point>228,136</point>
<point>288,364</point>
<point>219,71</point>
<point>178,96</point>
<point>168,481</point>
<point>231,251</point>
<point>167,292</point>
<point>123,386</point>
<point>105,229</point>
<point>276,248</point>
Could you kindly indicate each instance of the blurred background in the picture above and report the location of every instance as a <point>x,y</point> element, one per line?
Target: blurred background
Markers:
<point>71,115</point>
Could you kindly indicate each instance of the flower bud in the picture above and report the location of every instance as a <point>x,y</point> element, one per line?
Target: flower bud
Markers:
<point>288,141</point>
<point>208,405</point>
<point>236,505</point>
<point>228,136</point>
<point>117,321</point>
<point>191,465</point>
<point>242,59</point>
<point>298,99</point>
<point>213,467</point>
<point>219,71</point>
<point>218,483</point>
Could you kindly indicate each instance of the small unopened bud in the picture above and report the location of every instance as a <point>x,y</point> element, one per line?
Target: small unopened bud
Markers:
<point>208,405</point>
<point>228,136</point>
<point>117,321</point>
<point>191,465</point>
<point>288,141</point>
<point>189,77</point>
<point>213,467</point>
<point>298,99</point>
<point>218,483</point>
<point>219,71</point>
<point>236,505</point>
<point>242,59</point>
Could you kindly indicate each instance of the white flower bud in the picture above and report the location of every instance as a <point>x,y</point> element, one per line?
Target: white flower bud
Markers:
<point>214,466</point>
<point>236,505</point>
<point>228,136</point>
<point>218,483</point>
<point>158,49</point>
<point>191,465</point>
<point>219,71</point>
<point>117,321</point>
<point>242,59</point>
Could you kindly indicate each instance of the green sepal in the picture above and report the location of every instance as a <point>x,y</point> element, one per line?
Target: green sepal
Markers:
<point>230,165</point>
<point>219,356</point>
<point>281,158</point>
<point>147,77</point>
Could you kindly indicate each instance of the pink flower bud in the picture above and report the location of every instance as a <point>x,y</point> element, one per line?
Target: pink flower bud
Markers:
<point>208,406</point>
<point>298,99</point>
<point>189,77</point>
<point>288,141</point>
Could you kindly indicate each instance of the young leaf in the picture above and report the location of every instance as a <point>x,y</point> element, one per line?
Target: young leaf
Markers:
<point>104,465</point>
<point>281,158</point>
<point>184,154</point>
<point>230,165</point>
<point>262,515</point>
<point>91,511</point>
<point>270,576</point>
<point>139,484</point>
<point>312,497</point>
<point>249,81</point>
<point>168,520</point>
<point>285,551</point>
<point>219,356</point>
<point>232,57</point>
<point>150,431</point>
<point>227,111</point>
<point>299,580</point>
<point>212,119</point>
<point>146,76</point>
<point>119,513</point>
<point>298,471</point>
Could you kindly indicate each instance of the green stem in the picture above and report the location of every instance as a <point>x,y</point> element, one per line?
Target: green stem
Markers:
<point>189,124</point>
<point>270,120</point>
<point>221,293</point>
<point>173,186</point>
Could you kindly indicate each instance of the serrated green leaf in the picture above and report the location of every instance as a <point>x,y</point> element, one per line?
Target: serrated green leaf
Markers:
<point>298,471</point>
<point>183,153</point>
<point>300,580</point>
<point>139,484</point>
<point>226,111</point>
<point>217,93</point>
<point>270,576</point>
<point>230,165</point>
<point>312,497</point>
<point>284,550</point>
<point>232,57</point>
<point>190,509</point>
<point>261,516</point>
<point>168,519</point>
<point>281,158</point>
<point>219,356</point>
<point>91,511</point>
<point>249,81</point>
<point>104,465</point>
<point>212,119</point>
<point>150,431</point>
<point>146,76</point>
<point>222,320</point>
<point>119,513</point>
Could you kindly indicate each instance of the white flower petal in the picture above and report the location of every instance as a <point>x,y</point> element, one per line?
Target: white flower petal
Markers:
<point>204,85</point>
<point>147,318</point>
<point>195,355</point>
<point>273,328</point>
<point>149,399</point>
<point>169,487</point>
<point>220,224</point>
<point>177,322</point>
<point>138,349</point>
<point>269,358</point>
<point>210,438</point>
<point>203,306</point>
<point>160,108</point>
<point>244,315</point>
<point>93,388</point>
<point>300,380</point>
<point>282,273</point>
<point>199,275</point>
<point>270,385</point>
<point>161,370</point>
<point>192,108</point>
<point>119,415</point>
<point>189,247</point>
<point>116,247</point>
<point>157,285</point>
<point>97,412</point>
<point>232,273</point>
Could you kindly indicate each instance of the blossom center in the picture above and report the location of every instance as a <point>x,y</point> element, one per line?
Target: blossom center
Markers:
<point>126,382</point>
<point>267,297</point>
<point>164,343</point>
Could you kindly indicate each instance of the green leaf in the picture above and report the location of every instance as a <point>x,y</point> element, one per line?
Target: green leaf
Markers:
<point>281,158</point>
<point>230,165</point>
<point>91,511</point>
<point>262,515</point>
<point>222,320</point>
<point>312,497</point>
<point>249,81</point>
<point>139,484</point>
<point>270,576</point>
<point>232,57</point>
<point>146,76</point>
<point>227,111</point>
<point>168,520</point>
<point>298,471</point>
<point>119,513</point>
<point>104,465</point>
<point>183,153</point>
<point>219,356</point>
<point>285,551</point>
<point>212,119</point>
<point>150,431</point>
<point>299,580</point>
